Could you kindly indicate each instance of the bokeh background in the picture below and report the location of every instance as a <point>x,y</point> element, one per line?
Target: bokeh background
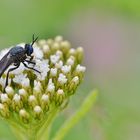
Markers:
<point>109,31</point>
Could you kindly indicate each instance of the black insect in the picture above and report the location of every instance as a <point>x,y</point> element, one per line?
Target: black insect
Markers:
<point>17,55</point>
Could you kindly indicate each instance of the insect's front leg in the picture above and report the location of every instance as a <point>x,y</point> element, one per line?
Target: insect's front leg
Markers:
<point>30,62</point>
<point>30,67</point>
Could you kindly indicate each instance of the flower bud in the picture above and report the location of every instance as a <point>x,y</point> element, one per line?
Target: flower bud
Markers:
<point>23,94</point>
<point>38,112</point>
<point>60,96</point>
<point>24,115</point>
<point>65,46</point>
<point>58,39</point>
<point>32,101</point>
<point>17,103</point>
<point>73,85</point>
<point>10,92</point>
<point>5,99</point>
<point>4,111</point>
<point>44,102</point>
<point>79,54</point>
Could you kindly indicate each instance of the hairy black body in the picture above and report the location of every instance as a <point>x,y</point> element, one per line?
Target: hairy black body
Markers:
<point>17,55</point>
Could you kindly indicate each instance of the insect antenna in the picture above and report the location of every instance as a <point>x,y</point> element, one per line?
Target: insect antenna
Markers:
<point>34,40</point>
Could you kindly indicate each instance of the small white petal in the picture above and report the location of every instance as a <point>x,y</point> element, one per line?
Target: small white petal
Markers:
<point>25,82</point>
<point>22,112</point>
<point>53,71</point>
<point>62,78</point>
<point>16,98</point>
<point>45,97</point>
<point>45,48</point>
<point>65,69</point>
<point>80,68</point>
<point>70,60</point>
<point>60,91</point>
<point>42,42</point>
<point>22,92</point>
<point>43,67</point>
<point>9,90</point>
<point>31,98</point>
<point>19,78</point>
<point>54,58</point>
<point>38,53</point>
<point>19,70</point>
<point>72,51</point>
<point>4,97</point>
<point>59,64</point>
<point>76,79</point>
<point>59,53</point>
<point>37,109</point>
<point>51,86</point>
<point>58,38</point>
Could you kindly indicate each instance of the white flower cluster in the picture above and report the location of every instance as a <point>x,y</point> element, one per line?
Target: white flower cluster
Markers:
<point>60,74</point>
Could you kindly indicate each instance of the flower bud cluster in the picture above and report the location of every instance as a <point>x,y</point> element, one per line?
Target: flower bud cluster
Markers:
<point>32,96</point>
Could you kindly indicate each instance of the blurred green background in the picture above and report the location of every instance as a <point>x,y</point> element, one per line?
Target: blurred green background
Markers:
<point>109,31</point>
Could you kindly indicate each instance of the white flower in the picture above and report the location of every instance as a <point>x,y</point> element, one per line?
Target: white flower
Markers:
<point>80,68</point>
<point>60,91</point>
<point>25,82</point>
<point>45,48</point>
<point>51,86</point>
<point>58,38</point>
<point>53,71</point>
<point>70,60</point>
<point>16,98</point>
<point>21,79</point>
<point>65,69</point>
<point>43,67</point>
<point>54,58</point>
<point>38,53</point>
<point>45,97</point>
<point>4,97</point>
<point>59,53</point>
<point>62,78</point>
<point>2,81</point>
<point>76,79</point>
<point>37,109</point>
<point>59,64</point>
<point>19,70</point>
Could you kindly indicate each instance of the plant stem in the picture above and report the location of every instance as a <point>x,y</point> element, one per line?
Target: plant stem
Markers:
<point>88,103</point>
<point>44,131</point>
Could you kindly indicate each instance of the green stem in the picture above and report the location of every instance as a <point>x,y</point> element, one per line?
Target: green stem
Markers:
<point>44,131</point>
<point>71,122</point>
<point>19,134</point>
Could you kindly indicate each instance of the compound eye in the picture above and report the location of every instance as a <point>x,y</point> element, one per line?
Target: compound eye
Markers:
<point>29,49</point>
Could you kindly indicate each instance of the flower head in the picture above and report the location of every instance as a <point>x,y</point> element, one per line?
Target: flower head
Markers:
<point>32,96</point>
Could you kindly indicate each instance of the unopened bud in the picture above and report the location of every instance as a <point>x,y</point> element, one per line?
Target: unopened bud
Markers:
<point>10,92</point>
<point>24,115</point>
<point>17,104</point>
<point>38,112</point>
<point>32,101</point>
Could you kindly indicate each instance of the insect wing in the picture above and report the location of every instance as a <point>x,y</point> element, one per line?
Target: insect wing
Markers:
<point>5,62</point>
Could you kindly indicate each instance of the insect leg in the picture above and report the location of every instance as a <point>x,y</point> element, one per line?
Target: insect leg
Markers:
<point>8,75</point>
<point>30,62</point>
<point>30,67</point>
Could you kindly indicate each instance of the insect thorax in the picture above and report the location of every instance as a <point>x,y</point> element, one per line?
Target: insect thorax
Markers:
<point>18,53</point>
